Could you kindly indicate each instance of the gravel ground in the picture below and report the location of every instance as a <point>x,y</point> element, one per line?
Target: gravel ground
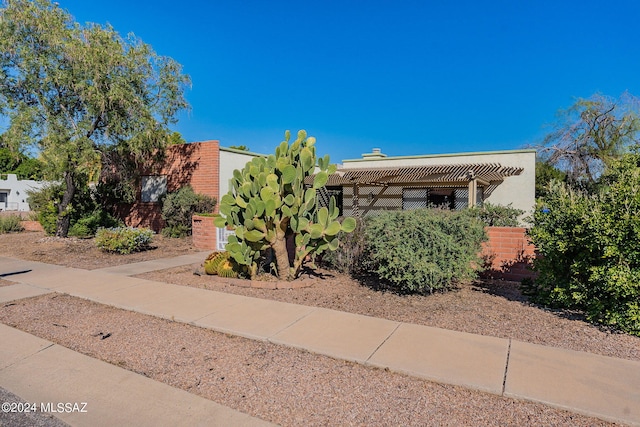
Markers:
<point>83,253</point>
<point>487,308</point>
<point>279,384</point>
<point>293,387</point>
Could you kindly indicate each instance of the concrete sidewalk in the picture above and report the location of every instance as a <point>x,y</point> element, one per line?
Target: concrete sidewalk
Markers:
<point>589,384</point>
<point>156,264</point>
<point>95,393</point>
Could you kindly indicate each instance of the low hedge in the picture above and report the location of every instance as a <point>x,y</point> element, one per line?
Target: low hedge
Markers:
<point>10,224</point>
<point>123,240</point>
<point>423,250</point>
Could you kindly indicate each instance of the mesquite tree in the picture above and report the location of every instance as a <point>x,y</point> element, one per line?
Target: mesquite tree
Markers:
<point>590,135</point>
<point>269,202</point>
<point>78,93</point>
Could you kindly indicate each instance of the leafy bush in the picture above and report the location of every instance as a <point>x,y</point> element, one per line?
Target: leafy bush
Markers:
<point>88,225</point>
<point>423,250</point>
<point>86,214</point>
<point>348,258</point>
<point>590,260</point>
<point>178,207</point>
<point>10,224</point>
<point>123,240</point>
<point>496,215</point>
<point>562,235</point>
<point>43,202</point>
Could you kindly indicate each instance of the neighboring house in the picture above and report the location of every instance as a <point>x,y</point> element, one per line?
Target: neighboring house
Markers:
<point>13,192</point>
<point>205,166</point>
<point>454,181</point>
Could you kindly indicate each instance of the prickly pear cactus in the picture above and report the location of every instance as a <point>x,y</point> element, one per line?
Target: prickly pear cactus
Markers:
<point>269,201</point>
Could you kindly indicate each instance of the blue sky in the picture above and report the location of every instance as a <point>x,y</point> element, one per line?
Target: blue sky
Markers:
<point>409,77</point>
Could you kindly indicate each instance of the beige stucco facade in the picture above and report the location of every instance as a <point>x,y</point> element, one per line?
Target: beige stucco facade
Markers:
<point>517,190</point>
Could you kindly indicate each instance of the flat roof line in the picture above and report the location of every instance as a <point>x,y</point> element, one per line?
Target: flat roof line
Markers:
<point>426,156</point>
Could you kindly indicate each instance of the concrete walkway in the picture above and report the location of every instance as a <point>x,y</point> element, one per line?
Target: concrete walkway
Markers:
<point>589,384</point>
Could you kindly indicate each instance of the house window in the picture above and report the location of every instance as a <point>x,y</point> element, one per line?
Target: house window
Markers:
<point>223,238</point>
<point>415,198</point>
<point>447,198</point>
<point>153,188</point>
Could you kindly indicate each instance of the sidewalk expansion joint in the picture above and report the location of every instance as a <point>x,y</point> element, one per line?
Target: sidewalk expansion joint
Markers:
<point>28,356</point>
<point>382,343</point>
<point>506,369</point>
<point>291,324</point>
<point>44,348</point>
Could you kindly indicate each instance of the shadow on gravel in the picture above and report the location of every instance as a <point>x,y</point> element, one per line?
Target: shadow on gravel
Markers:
<point>505,289</point>
<point>512,292</point>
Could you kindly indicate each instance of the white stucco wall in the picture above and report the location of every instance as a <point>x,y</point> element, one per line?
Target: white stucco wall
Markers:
<point>518,190</point>
<point>231,159</point>
<point>16,191</point>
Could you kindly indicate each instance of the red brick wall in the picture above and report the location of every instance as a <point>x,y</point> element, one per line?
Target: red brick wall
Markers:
<point>508,253</point>
<point>141,215</point>
<point>31,225</point>
<point>196,164</point>
<point>204,232</point>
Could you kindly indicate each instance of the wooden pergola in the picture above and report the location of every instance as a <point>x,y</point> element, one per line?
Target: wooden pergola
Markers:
<point>471,175</point>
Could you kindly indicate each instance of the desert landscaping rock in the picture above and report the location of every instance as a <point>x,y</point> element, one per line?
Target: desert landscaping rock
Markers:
<point>492,308</point>
<point>289,386</point>
<point>283,385</point>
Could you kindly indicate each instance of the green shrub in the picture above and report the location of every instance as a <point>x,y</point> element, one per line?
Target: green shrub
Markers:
<point>80,230</point>
<point>86,214</point>
<point>347,258</point>
<point>590,256</point>
<point>178,207</point>
<point>496,215</point>
<point>10,224</point>
<point>43,202</point>
<point>423,250</point>
<point>88,225</point>
<point>123,240</point>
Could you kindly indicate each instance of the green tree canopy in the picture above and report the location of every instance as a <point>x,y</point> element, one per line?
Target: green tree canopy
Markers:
<point>239,147</point>
<point>590,135</point>
<point>16,162</point>
<point>545,173</point>
<point>79,92</point>
<point>589,256</point>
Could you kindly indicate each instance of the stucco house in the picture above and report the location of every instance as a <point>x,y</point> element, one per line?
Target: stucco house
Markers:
<point>13,192</point>
<point>377,182</point>
<point>362,186</point>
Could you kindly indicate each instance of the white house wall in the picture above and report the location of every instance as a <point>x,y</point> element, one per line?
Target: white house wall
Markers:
<point>16,192</point>
<point>231,159</point>
<point>517,190</point>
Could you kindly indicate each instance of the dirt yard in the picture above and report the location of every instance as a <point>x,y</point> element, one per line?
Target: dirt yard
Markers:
<point>293,387</point>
